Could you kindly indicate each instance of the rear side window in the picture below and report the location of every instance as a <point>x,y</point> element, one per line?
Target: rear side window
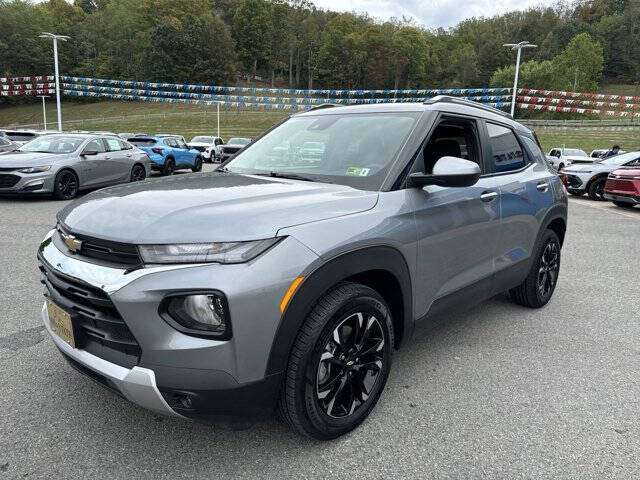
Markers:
<point>170,142</point>
<point>113,144</point>
<point>124,145</point>
<point>507,153</point>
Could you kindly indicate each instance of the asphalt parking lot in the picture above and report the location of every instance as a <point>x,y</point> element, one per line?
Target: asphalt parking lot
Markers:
<point>497,392</point>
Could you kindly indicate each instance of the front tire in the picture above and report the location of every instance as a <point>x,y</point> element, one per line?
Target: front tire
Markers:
<point>538,287</point>
<point>339,363</point>
<point>596,189</point>
<point>576,193</point>
<point>65,185</point>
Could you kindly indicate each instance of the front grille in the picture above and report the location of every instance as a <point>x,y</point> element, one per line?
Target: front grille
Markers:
<point>7,180</point>
<point>98,327</point>
<point>574,181</point>
<point>114,252</point>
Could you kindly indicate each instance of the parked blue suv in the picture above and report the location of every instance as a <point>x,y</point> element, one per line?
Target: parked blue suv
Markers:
<point>168,153</point>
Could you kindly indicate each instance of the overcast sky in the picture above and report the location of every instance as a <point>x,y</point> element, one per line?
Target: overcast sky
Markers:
<point>430,13</point>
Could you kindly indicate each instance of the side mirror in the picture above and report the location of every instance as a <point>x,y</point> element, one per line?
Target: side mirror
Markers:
<point>448,172</point>
<point>87,153</point>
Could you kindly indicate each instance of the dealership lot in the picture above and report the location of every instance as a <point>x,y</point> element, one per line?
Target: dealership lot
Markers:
<point>500,391</point>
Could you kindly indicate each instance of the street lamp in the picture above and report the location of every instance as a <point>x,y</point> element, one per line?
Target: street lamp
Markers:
<point>44,110</point>
<point>55,39</point>
<point>518,47</point>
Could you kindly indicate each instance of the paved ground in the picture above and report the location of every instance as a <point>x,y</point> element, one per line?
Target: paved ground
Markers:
<point>499,392</point>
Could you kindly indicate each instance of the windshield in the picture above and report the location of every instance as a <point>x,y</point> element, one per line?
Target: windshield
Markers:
<point>349,149</point>
<point>620,159</point>
<point>202,139</point>
<point>239,141</point>
<point>53,144</point>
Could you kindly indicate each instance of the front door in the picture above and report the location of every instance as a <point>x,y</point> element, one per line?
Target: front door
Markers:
<point>457,227</point>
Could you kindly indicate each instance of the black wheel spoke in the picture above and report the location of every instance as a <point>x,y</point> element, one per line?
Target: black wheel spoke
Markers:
<point>350,364</point>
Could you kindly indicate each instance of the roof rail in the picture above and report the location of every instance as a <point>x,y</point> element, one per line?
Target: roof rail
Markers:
<point>468,103</point>
<point>324,105</point>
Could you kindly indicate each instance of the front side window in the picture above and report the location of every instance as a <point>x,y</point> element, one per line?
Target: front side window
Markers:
<point>94,146</point>
<point>349,149</point>
<point>507,153</point>
<point>53,144</point>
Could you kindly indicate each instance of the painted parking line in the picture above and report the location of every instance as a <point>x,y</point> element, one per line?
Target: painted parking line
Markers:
<point>607,206</point>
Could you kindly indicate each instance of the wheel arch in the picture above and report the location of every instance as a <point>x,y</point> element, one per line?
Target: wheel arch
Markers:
<point>556,220</point>
<point>382,268</point>
<point>596,177</point>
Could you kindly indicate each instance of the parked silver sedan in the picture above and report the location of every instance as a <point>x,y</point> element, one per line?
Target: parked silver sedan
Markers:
<point>63,164</point>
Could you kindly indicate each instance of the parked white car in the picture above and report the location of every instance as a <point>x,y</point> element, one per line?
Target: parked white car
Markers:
<point>590,179</point>
<point>563,157</point>
<point>208,145</point>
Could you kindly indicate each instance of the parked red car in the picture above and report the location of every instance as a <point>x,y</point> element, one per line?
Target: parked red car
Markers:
<point>623,187</point>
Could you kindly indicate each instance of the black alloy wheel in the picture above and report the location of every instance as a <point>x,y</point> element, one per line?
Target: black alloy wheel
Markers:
<point>596,189</point>
<point>138,173</point>
<point>549,269</point>
<point>169,167</point>
<point>537,289</point>
<point>339,362</point>
<point>66,185</point>
<point>350,364</point>
<point>198,164</point>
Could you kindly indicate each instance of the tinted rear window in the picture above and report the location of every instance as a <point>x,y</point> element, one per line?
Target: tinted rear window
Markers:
<point>142,142</point>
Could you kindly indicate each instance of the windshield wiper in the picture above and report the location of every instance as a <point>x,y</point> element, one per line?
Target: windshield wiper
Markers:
<point>291,176</point>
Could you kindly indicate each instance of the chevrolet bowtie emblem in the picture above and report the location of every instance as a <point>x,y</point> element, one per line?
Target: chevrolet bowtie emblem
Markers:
<point>71,242</point>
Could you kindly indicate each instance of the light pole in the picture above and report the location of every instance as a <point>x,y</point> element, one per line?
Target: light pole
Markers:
<point>518,47</point>
<point>44,110</point>
<point>55,39</point>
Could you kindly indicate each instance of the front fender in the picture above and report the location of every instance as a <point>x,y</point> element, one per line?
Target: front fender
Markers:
<point>320,279</point>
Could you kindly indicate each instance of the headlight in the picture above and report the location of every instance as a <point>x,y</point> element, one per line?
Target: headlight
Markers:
<point>221,252</point>
<point>202,314</point>
<point>42,168</point>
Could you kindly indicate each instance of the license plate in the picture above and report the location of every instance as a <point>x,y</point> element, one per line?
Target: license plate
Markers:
<point>61,323</point>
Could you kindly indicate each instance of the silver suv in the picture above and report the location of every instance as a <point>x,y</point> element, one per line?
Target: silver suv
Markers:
<point>280,283</point>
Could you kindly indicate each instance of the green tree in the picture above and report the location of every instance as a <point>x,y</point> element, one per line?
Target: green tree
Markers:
<point>464,63</point>
<point>252,31</point>
<point>579,66</point>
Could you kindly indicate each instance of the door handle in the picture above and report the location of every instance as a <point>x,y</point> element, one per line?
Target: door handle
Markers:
<point>543,186</point>
<point>488,196</point>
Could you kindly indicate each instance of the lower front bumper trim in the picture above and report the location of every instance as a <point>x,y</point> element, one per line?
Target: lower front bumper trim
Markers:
<point>137,384</point>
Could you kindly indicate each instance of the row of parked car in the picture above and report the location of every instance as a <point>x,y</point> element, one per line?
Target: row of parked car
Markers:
<point>62,164</point>
<point>612,175</point>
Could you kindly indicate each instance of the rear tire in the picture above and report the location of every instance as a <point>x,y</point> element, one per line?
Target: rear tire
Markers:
<point>623,204</point>
<point>538,287</point>
<point>198,165</point>
<point>339,363</point>
<point>169,167</point>
<point>596,189</point>
<point>66,185</point>
<point>138,173</point>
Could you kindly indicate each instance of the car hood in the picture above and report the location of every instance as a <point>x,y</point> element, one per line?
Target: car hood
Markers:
<point>208,207</point>
<point>627,172</point>
<point>198,144</point>
<point>28,159</point>
<point>589,167</point>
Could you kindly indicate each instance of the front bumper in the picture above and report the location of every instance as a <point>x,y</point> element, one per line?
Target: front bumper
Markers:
<point>576,181</point>
<point>137,384</point>
<point>178,374</point>
<point>16,182</point>
<point>630,199</point>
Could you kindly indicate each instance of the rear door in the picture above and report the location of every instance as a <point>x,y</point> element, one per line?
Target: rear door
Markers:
<point>457,227</point>
<point>526,193</point>
<point>118,166</point>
